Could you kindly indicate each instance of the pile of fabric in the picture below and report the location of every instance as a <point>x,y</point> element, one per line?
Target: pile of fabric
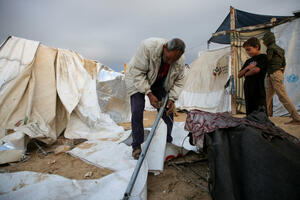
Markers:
<point>249,158</point>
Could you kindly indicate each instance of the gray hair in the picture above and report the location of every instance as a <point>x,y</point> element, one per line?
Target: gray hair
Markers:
<point>176,44</point>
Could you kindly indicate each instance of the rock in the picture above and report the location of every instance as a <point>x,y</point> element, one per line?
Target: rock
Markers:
<point>88,174</point>
<point>62,149</point>
<point>51,162</point>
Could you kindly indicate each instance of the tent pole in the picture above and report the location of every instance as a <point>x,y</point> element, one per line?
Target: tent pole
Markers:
<point>233,57</point>
<point>144,150</point>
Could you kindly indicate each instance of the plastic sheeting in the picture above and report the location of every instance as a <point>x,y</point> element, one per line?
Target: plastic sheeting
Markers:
<point>16,88</point>
<point>12,147</point>
<point>112,94</point>
<point>156,153</point>
<point>242,19</point>
<point>29,105</point>
<point>288,37</point>
<point>45,90</point>
<point>204,89</point>
<point>17,54</point>
<point>180,137</point>
<point>31,185</point>
<point>117,156</point>
<point>77,129</point>
<point>76,88</point>
<point>28,102</point>
<point>105,154</point>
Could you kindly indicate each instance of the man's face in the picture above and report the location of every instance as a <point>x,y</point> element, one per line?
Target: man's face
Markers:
<point>170,57</point>
<point>252,51</point>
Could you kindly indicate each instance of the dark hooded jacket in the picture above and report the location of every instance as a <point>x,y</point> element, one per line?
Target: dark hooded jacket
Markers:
<point>275,54</point>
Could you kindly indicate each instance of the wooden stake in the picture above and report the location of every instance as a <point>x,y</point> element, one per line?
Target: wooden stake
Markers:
<point>233,57</point>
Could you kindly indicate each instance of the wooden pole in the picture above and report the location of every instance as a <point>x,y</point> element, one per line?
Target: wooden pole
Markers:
<point>233,57</point>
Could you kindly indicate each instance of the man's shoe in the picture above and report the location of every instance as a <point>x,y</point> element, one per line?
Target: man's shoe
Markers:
<point>169,139</point>
<point>136,153</point>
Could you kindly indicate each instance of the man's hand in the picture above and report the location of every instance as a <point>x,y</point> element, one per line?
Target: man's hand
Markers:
<point>154,101</point>
<point>170,107</point>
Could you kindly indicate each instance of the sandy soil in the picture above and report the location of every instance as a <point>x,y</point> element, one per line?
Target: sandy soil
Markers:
<point>181,181</point>
<point>149,118</point>
<point>62,164</point>
<point>279,121</point>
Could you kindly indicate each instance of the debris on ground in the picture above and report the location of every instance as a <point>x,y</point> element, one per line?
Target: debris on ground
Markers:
<point>62,149</point>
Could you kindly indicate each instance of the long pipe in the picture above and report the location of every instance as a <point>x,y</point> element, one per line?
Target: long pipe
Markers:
<point>144,151</point>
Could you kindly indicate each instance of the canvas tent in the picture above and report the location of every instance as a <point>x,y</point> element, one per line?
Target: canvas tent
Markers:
<point>204,83</point>
<point>45,91</point>
<point>237,27</point>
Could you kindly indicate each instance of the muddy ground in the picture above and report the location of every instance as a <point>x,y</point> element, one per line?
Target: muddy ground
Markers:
<point>182,178</point>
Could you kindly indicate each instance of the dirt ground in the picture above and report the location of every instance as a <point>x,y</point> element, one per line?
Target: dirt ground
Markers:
<point>149,118</point>
<point>280,121</point>
<point>62,164</point>
<point>178,181</point>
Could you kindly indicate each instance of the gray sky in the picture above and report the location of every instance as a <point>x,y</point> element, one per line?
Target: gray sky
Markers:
<point>109,31</point>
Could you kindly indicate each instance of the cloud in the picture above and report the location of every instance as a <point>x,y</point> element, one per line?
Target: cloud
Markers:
<point>110,31</point>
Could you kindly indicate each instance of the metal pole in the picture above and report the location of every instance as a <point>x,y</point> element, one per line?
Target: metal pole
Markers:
<point>144,151</point>
<point>40,148</point>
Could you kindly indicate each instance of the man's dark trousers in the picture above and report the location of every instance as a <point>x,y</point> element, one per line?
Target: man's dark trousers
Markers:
<point>137,102</point>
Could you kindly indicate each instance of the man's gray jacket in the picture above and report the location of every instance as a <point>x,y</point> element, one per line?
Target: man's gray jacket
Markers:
<point>144,66</point>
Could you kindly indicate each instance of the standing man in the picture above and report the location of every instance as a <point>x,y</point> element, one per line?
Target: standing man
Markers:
<point>276,67</point>
<point>156,69</point>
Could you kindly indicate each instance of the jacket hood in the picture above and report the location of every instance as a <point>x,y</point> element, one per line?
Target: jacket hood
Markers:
<point>269,38</point>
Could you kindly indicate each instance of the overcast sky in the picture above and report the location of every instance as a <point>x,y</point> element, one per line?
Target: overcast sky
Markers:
<point>109,31</point>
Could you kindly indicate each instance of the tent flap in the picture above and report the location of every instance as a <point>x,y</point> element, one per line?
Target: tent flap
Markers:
<point>242,19</point>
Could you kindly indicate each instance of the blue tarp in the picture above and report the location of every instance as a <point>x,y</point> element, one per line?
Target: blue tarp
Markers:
<point>242,19</point>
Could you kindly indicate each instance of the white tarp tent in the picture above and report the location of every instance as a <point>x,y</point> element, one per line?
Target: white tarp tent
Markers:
<point>204,89</point>
<point>288,37</point>
<point>44,91</point>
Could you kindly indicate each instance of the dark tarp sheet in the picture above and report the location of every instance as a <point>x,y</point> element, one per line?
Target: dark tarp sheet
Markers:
<point>249,158</point>
<point>242,19</point>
